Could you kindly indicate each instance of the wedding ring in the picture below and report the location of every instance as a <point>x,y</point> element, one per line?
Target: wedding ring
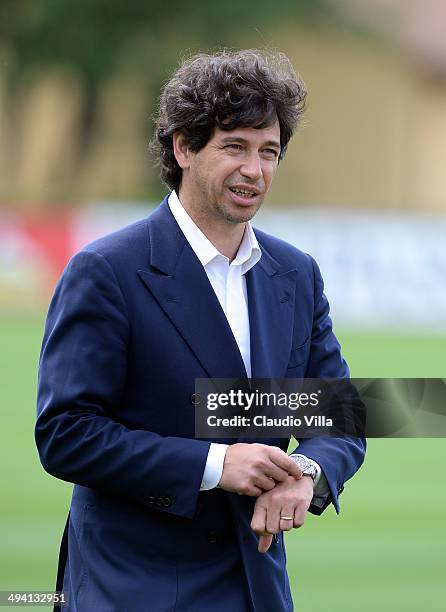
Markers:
<point>287,518</point>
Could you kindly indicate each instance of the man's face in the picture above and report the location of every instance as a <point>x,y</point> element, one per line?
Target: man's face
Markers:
<point>229,178</point>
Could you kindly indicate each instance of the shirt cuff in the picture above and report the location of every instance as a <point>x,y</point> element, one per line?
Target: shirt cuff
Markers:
<point>214,466</point>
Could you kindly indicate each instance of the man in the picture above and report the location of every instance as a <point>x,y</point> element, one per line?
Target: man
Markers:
<point>159,520</point>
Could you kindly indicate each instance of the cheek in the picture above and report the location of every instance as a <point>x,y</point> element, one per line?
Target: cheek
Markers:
<point>268,174</point>
<point>228,173</point>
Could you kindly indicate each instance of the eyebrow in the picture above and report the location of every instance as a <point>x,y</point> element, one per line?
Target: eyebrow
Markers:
<point>240,140</point>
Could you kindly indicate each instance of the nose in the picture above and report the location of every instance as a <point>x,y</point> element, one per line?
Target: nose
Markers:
<point>252,167</point>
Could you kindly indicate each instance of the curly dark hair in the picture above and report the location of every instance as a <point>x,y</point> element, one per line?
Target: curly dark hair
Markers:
<point>229,89</point>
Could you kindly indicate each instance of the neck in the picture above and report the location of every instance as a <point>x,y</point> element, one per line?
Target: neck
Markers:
<point>224,235</point>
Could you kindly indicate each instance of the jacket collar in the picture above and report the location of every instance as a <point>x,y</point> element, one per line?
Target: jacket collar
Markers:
<point>179,283</point>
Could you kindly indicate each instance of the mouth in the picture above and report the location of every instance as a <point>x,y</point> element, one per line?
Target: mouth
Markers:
<point>244,194</point>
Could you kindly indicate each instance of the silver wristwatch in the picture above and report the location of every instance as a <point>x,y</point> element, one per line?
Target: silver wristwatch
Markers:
<point>306,466</point>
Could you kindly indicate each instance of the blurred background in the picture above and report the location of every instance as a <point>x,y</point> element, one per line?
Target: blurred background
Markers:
<point>362,188</point>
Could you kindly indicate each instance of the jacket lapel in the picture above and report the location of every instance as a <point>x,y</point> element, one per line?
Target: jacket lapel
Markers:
<point>180,285</point>
<point>271,296</point>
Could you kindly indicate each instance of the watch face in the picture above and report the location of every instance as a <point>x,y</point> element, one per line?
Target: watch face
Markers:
<point>313,472</point>
<point>302,463</point>
<point>306,466</point>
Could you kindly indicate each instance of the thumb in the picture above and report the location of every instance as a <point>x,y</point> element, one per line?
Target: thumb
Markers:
<point>295,470</point>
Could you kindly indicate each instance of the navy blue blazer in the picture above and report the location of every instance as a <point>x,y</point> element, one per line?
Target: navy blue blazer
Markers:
<point>133,322</point>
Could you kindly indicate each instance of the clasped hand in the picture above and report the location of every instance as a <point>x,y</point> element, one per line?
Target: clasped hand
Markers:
<point>268,473</point>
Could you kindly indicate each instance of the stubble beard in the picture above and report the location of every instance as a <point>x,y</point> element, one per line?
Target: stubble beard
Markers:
<point>243,217</point>
<point>220,209</point>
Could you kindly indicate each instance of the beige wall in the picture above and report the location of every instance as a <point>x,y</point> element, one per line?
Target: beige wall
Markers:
<point>375,131</point>
<point>374,134</point>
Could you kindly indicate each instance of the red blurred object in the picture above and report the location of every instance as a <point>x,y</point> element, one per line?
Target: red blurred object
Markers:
<point>52,235</point>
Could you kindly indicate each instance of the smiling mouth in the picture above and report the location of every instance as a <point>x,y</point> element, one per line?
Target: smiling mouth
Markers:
<point>244,193</point>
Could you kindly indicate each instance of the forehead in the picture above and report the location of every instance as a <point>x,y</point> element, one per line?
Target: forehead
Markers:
<point>270,134</point>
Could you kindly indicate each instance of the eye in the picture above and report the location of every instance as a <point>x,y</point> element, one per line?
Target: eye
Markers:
<point>235,146</point>
<point>271,152</point>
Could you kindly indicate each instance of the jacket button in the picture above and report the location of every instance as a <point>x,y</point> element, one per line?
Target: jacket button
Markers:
<point>195,398</point>
<point>167,502</point>
<point>212,537</point>
<point>151,499</point>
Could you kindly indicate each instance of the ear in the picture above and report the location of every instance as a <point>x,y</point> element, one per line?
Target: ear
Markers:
<point>181,150</point>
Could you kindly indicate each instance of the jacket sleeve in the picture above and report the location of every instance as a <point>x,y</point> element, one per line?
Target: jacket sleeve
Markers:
<point>81,382</point>
<point>339,458</point>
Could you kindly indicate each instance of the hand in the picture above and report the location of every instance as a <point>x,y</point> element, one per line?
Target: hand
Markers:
<point>289,498</point>
<point>250,469</point>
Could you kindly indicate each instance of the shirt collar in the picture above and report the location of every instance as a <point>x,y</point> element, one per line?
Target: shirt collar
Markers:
<point>249,251</point>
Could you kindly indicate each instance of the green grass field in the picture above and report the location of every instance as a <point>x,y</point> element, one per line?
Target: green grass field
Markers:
<point>386,551</point>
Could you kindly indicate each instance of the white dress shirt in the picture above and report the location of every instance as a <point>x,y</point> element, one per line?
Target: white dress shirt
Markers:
<point>229,284</point>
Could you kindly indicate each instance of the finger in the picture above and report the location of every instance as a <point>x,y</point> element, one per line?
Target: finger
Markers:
<point>265,482</point>
<point>250,490</point>
<point>258,521</point>
<point>273,471</point>
<point>254,491</point>
<point>287,516</point>
<point>283,461</point>
<point>280,475</point>
<point>294,470</point>
<point>286,524</point>
<point>272,519</point>
<point>299,515</point>
<point>264,543</point>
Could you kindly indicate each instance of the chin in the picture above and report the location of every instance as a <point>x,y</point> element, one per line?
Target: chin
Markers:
<point>238,216</point>
<point>242,217</point>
